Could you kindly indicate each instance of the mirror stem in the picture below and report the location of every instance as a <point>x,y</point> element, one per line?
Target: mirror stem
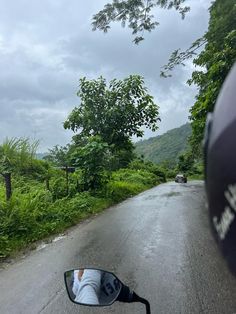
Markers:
<point>137,298</point>
<point>130,296</point>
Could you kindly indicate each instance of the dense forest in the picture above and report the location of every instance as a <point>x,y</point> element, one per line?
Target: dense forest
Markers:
<point>166,147</point>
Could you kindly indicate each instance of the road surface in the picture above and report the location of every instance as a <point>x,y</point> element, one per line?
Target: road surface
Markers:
<point>158,243</point>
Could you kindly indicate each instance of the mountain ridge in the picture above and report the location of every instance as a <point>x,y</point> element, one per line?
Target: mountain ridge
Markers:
<point>165,147</point>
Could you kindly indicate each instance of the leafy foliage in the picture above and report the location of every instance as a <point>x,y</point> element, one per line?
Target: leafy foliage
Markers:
<point>179,57</point>
<point>93,159</point>
<point>34,212</point>
<point>120,190</point>
<point>106,120</point>
<point>58,155</point>
<point>186,161</point>
<point>135,176</point>
<point>136,13</point>
<point>222,22</point>
<point>217,59</point>
<point>116,112</point>
<point>139,166</point>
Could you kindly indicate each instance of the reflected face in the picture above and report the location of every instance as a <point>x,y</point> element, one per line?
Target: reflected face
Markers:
<point>92,286</point>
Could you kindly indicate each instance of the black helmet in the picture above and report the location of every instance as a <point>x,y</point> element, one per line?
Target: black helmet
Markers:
<point>220,168</point>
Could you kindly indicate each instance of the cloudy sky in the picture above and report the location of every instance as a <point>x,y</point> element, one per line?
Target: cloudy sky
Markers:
<point>47,45</point>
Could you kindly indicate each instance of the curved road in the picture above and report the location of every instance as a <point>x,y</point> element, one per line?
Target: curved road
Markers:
<point>158,243</point>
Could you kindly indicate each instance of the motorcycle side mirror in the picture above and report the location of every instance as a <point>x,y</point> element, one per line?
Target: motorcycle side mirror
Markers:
<point>92,287</point>
<point>97,287</point>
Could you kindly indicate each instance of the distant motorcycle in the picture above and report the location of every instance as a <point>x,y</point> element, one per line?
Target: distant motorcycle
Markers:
<point>97,287</point>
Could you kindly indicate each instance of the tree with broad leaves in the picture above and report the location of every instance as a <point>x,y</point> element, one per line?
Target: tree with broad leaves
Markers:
<point>93,159</point>
<point>216,33</point>
<point>138,15</point>
<point>135,13</point>
<point>115,112</point>
<point>215,62</point>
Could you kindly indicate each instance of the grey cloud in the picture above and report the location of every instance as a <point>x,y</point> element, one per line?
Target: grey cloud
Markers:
<point>34,121</point>
<point>89,51</point>
<point>46,46</point>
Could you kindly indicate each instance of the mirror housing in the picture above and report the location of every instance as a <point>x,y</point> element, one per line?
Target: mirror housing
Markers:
<point>92,287</point>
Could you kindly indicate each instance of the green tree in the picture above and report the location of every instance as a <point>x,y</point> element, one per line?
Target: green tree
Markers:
<point>136,13</point>
<point>115,113</point>
<point>58,156</point>
<point>215,60</point>
<point>93,159</point>
<point>222,21</point>
<point>186,162</point>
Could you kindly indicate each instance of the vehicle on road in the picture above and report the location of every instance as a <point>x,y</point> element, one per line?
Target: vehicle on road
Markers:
<point>97,287</point>
<point>181,178</point>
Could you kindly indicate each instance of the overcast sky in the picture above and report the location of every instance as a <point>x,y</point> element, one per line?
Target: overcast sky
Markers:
<point>47,45</point>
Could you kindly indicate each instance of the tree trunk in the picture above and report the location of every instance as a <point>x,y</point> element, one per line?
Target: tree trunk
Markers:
<point>7,178</point>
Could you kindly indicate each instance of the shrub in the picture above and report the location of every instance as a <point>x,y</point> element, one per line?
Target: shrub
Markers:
<point>58,188</point>
<point>135,176</point>
<point>171,173</point>
<point>33,212</point>
<point>120,190</point>
<point>150,167</point>
<point>17,220</point>
<point>93,158</point>
<point>35,169</point>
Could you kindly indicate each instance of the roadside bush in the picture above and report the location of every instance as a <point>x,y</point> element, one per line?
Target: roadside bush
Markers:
<point>4,246</point>
<point>171,173</point>
<point>149,167</point>
<point>36,210</point>
<point>58,188</point>
<point>197,171</point>
<point>135,176</point>
<point>29,218</point>
<point>119,190</point>
<point>23,185</point>
<point>93,159</point>
<point>70,210</point>
<point>36,169</point>
<point>17,220</point>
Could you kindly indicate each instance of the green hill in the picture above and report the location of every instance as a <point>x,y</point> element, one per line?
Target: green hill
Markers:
<point>165,147</point>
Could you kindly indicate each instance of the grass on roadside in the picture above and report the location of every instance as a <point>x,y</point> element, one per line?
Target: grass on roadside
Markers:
<point>33,214</point>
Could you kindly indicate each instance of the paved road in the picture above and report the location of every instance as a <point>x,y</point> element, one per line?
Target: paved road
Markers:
<point>157,242</point>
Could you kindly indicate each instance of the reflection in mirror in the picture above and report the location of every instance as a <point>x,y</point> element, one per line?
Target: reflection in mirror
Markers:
<point>92,286</point>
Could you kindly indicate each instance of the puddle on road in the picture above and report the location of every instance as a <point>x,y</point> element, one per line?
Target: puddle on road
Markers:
<point>171,194</point>
<point>151,197</point>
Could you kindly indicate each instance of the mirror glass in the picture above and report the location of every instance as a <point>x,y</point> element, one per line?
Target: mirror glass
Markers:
<point>95,287</point>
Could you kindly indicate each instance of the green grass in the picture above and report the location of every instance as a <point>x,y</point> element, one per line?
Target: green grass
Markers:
<point>33,213</point>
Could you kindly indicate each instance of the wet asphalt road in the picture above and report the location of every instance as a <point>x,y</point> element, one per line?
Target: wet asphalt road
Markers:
<point>158,243</point>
